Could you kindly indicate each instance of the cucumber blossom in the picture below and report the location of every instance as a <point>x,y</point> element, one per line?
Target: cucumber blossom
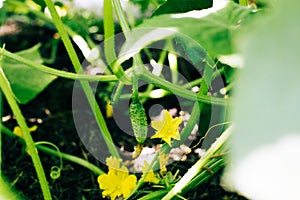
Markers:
<point>138,120</point>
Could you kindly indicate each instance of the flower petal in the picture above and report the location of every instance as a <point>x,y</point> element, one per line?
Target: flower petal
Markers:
<point>176,136</point>
<point>128,185</point>
<point>176,121</point>
<point>167,128</point>
<point>117,181</point>
<point>158,134</point>
<point>105,182</point>
<point>156,124</point>
<point>167,116</point>
<point>167,140</point>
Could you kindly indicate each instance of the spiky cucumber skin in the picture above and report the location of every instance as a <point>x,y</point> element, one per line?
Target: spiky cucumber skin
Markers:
<point>139,121</point>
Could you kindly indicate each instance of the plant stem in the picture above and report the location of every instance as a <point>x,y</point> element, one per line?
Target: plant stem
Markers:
<point>109,43</point>
<point>243,2</point>
<point>48,70</point>
<point>121,17</point>
<point>145,95</point>
<point>154,195</point>
<point>85,85</point>
<point>52,152</point>
<point>118,92</point>
<point>26,134</point>
<point>213,165</point>
<point>126,30</point>
<point>178,90</point>
<point>196,112</point>
<point>73,159</point>
<point>193,171</point>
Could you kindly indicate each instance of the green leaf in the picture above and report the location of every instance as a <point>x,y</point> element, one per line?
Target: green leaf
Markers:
<point>193,51</point>
<point>181,6</point>
<point>267,109</point>
<point>26,82</point>
<point>268,91</point>
<point>212,28</point>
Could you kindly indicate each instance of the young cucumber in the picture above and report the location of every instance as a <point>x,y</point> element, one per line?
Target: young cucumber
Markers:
<point>138,120</point>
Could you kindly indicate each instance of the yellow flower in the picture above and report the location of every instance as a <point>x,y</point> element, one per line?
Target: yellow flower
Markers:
<point>167,128</point>
<point>150,177</point>
<point>117,182</point>
<point>17,130</point>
